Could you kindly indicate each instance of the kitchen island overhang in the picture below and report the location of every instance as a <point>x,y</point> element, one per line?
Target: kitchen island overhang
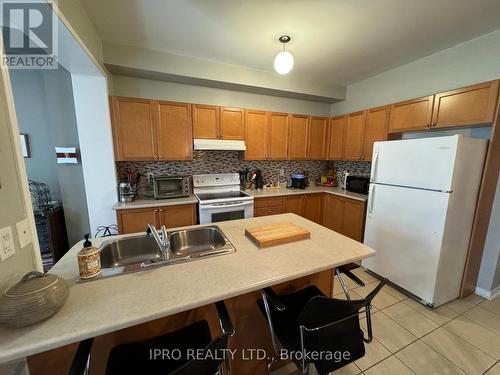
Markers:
<point>108,305</point>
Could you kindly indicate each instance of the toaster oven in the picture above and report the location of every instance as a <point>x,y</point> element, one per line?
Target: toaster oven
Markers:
<point>171,186</point>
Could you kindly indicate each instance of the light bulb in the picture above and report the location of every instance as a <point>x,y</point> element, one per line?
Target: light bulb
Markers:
<point>283,62</point>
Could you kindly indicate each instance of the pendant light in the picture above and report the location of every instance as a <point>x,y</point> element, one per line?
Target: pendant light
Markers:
<point>283,62</point>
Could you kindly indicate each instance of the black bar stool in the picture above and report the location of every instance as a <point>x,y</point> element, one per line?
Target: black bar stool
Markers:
<point>187,351</point>
<point>315,329</point>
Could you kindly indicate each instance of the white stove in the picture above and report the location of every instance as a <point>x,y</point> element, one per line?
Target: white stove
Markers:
<point>220,198</point>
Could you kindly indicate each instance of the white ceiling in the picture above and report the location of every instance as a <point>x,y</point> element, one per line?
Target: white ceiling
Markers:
<point>334,41</point>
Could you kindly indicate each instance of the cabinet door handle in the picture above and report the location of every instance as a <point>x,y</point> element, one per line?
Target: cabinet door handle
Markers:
<point>427,126</point>
<point>433,124</point>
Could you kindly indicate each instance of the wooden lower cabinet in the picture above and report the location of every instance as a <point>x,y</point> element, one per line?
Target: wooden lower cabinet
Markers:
<point>333,212</point>
<point>268,206</point>
<point>345,216</point>
<point>311,207</point>
<point>177,216</point>
<point>293,205</point>
<point>137,219</point>
<point>306,205</point>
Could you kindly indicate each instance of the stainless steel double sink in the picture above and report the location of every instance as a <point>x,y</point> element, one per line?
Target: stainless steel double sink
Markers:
<point>137,253</point>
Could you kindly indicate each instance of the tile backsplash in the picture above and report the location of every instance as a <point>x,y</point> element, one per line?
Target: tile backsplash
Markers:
<point>232,161</point>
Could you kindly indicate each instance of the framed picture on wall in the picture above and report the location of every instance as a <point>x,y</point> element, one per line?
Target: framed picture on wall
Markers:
<point>25,146</point>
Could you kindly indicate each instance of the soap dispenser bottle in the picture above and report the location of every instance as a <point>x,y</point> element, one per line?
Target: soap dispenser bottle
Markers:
<point>89,260</point>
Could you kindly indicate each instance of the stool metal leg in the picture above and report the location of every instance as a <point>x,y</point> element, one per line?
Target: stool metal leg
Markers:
<point>343,284</point>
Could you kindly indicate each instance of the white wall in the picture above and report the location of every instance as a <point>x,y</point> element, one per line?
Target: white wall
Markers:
<point>51,92</point>
<point>96,144</point>
<point>475,61</point>
<point>153,89</point>
<point>41,166</point>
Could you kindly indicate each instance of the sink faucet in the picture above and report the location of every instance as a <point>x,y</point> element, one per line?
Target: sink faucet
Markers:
<point>162,242</point>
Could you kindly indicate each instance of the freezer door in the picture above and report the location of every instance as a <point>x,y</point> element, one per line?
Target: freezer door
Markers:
<point>405,228</point>
<point>425,163</point>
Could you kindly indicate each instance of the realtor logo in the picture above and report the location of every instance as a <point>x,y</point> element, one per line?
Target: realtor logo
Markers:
<point>29,34</point>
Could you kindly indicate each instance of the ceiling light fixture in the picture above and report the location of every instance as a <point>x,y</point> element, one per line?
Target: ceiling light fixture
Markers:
<point>283,62</point>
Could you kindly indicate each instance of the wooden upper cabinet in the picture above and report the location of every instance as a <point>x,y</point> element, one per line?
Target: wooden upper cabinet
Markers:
<point>278,136</point>
<point>133,128</point>
<point>298,133</point>
<point>466,106</point>
<point>415,114</point>
<point>353,145</point>
<point>256,135</point>
<point>231,123</point>
<point>376,128</point>
<point>318,128</point>
<point>336,138</point>
<point>174,131</point>
<point>205,121</point>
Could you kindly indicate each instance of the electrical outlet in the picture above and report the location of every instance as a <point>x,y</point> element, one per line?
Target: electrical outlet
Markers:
<point>7,248</point>
<point>23,233</point>
<point>282,173</point>
<point>150,178</point>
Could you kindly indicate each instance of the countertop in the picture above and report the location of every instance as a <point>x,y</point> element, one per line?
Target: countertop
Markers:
<point>336,190</point>
<point>107,305</point>
<point>152,202</point>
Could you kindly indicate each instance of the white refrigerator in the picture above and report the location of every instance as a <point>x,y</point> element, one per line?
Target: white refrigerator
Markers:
<point>421,205</point>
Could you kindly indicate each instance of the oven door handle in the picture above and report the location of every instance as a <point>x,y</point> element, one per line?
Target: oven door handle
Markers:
<point>239,204</point>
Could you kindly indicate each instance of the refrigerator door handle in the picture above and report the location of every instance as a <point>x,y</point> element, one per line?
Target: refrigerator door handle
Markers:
<point>373,173</point>
<point>371,195</point>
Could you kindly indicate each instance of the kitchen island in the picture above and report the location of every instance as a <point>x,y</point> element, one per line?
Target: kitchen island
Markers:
<point>102,306</point>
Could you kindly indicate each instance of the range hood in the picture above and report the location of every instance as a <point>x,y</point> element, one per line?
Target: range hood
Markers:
<point>218,144</point>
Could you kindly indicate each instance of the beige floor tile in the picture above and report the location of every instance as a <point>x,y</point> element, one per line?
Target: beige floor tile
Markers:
<point>476,335</point>
<point>395,293</point>
<point>462,305</point>
<point>495,370</point>
<point>439,315</point>
<point>424,360</point>
<point>375,352</point>
<point>381,300</point>
<point>350,369</point>
<point>352,293</point>
<point>411,319</point>
<point>485,318</point>
<point>492,306</point>
<point>389,366</point>
<point>460,352</point>
<point>337,288</point>
<point>363,275</point>
<point>388,332</point>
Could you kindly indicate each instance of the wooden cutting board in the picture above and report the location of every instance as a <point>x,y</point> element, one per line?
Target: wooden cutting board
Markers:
<point>276,234</point>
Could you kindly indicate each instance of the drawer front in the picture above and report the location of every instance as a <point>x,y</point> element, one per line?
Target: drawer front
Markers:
<point>275,202</point>
<point>276,210</point>
<point>260,202</point>
<point>260,211</point>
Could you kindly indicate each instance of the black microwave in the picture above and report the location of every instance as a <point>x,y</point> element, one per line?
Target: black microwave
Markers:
<point>358,184</point>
